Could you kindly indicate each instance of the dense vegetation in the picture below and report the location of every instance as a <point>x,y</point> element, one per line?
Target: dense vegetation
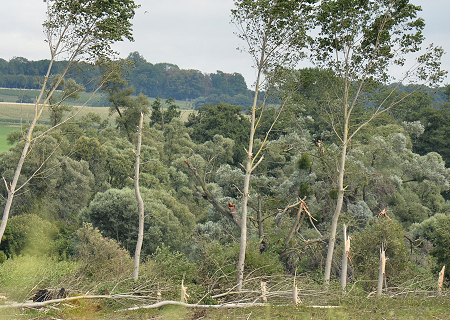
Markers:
<point>337,146</point>
<point>87,180</point>
<point>162,80</point>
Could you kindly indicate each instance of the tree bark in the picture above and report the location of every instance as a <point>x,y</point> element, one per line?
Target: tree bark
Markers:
<point>337,212</point>
<point>382,272</point>
<point>440,280</point>
<point>345,259</point>
<point>137,254</point>
<point>248,173</point>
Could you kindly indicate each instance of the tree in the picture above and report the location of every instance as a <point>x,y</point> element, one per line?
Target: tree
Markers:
<point>275,34</point>
<point>358,41</point>
<point>225,120</point>
<point>140,202</point>
<point>160,116</point>
<point>75,30</point>
<point>58,106</point>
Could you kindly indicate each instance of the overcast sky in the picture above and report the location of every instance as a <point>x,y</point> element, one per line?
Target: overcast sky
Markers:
<point>193,34</point>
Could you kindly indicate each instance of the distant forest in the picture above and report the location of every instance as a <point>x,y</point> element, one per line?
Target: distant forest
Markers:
<point>163,80</point>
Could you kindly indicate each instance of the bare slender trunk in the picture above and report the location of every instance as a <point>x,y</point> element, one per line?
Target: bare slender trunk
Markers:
<point>441,280</point>
<point>137,254</point>
<point>260,225</point>
<point>337,212</point>
<point>12,186</point>
<point>248,173</point>
<point>345,259</point>
<point>381,273</point>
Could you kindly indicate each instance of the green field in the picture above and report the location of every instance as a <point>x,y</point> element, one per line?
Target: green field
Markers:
<point>4,131</point>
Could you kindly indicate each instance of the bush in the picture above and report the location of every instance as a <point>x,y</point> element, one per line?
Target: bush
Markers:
<point>29,234</point>
<point>365,252</point>
<point>101,258</point>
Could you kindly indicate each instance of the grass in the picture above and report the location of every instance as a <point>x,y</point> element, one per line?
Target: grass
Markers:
<point>5,129</point>
<point>359,308</point>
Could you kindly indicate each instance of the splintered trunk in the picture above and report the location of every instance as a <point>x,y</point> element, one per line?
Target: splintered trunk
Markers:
<point>441,280</point>
<point>137,254</point>
<point>345,259</point>
<point>382,272</point>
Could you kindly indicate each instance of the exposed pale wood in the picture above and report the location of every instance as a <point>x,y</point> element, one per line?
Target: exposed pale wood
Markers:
<point>345,256</point>
<point>382,269</point>
<point>264,291</point>
<point>441,280</point>
<point>140,240</point>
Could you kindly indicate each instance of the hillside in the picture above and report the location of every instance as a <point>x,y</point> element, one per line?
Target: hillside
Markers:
<point>164,80</point>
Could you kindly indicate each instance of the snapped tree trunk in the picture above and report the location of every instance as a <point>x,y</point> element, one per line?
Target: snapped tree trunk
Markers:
<point>345,259</point>
<point>440,280</point>
<point>137,254</point>
<point>382,272</point>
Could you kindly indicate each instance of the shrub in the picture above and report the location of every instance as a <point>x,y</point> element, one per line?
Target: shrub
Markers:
<point>101,258</point>
<point>29,234</point>
<point>365,252</point>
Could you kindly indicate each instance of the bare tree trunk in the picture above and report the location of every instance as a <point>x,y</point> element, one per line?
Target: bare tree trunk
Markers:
<point>337,212</point>
<point>295,227</point>
<point>345,259</point>
<point>12,186</point>
<point>248,173</point>
<point>260,225</point>
<point>440,280</point>
<point>137,254</point>
<point>382,272</point>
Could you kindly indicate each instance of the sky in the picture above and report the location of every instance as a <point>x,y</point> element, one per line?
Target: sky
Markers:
<point>193,34</point>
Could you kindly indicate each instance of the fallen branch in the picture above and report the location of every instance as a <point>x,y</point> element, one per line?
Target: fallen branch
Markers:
<point>48,302</point>
<point>216,306</point>
<point>202,306</point>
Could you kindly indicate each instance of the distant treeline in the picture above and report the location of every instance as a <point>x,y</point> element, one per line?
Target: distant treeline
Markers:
<point>162,80</point>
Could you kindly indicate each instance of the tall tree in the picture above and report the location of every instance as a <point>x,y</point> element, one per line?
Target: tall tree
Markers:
<point>140,240</point>
<point>275,34</point>
<point>359,41</point>
<point>76,30</point>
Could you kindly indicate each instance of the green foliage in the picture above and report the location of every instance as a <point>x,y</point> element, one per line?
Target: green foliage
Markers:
<point>167,221</point>
<point>159,115</point>
<point>437,230</point>
<point>93,25</point>
<point>372,28</point>
<point>169,264</point>
<point>304,163</point>
<point>3,257</point>
<point>365,252</point>
<point>101,258</point>
<point>29,235</point>
<point>222,119</point>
